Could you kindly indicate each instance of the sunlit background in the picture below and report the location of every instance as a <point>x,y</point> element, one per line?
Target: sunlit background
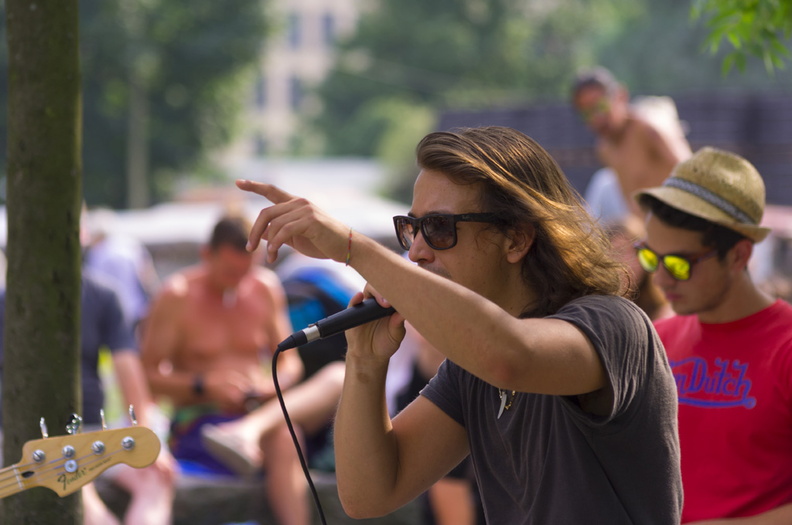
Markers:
<point>329,97</point>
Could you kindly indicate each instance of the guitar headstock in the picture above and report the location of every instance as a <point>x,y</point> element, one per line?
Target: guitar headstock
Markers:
<point>66,463</point>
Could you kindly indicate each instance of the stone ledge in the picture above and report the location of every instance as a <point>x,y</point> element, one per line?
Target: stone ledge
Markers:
<point>217,501</point>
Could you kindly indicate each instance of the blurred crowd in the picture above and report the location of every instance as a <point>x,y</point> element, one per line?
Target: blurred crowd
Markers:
<point>192,350</point>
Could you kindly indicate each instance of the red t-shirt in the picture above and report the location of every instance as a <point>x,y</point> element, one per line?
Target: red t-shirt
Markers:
<point>734,382</point>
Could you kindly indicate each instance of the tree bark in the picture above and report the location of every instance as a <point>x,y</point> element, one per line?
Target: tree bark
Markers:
<point>41,375</point>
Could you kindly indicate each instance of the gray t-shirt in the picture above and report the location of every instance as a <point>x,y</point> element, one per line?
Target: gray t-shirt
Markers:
<point>546,461</point>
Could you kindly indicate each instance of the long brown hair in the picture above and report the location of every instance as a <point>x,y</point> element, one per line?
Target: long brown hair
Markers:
<point>570,256</point>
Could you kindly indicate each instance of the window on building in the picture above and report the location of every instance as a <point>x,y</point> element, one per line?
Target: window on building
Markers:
<point>295,92</point>
<point>294,33</point>
<point>261,92</point>
<point>328,29</point>
<point>260,145</point>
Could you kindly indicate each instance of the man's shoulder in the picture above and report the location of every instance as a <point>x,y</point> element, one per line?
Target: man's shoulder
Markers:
<point>601,307</point>
<point>178,285</point>
<point>602,300</point>
<point>783,307</point>
<point>266,280</point>
<point>675,322</point>
<point>641,129</point>
<point>777,314</point>
<point>629,144</point>
<point>97,284</point>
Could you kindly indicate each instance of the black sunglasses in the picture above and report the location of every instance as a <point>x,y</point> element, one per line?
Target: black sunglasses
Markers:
<point>438,229</point>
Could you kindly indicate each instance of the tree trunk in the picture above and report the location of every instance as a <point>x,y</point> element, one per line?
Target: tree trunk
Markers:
<point>41,371</point>
<point>138,109</point>
<point>137,146</point>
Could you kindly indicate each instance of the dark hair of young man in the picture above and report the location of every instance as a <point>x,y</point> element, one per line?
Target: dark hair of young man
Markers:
<point>721,238</point>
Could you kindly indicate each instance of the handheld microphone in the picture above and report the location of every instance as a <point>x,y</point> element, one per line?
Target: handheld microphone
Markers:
<point>361,313</point>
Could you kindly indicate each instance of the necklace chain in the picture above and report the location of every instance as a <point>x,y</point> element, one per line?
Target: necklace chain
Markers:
<point>509,401</point>
<point>505,401</point>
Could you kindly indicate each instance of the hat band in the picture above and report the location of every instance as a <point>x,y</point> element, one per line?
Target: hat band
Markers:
<point>706,195</point>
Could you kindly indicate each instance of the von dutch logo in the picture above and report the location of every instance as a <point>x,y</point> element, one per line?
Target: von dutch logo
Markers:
<point>720,384</point>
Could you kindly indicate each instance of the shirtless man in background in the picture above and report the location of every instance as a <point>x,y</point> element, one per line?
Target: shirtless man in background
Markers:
<point>641,150</point>
<point>206,335</point>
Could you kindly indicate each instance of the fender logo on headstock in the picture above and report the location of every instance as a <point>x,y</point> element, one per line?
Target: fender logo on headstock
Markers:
<point>135,446</point>
<point>67,478</point>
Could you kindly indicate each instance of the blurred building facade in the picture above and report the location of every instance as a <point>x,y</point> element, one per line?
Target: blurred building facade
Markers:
<point>297,56</point>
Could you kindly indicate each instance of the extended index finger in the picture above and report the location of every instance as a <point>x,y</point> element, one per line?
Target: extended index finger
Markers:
<point>272,193</point>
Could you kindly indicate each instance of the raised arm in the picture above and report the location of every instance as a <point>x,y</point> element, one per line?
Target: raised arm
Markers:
<point>160,342</point>
<point>382,465</point>
<point>132,381</point>
<point>544,356</point>
<point>529,355</point>
<point>133,385</point>
<point>290,366</point>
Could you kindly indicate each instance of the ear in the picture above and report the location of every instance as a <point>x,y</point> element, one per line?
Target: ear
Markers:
<point>519,242</point>
<point>741,254</point>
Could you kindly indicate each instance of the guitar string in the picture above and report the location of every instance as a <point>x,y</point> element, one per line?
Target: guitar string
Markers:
<point>52,471</point>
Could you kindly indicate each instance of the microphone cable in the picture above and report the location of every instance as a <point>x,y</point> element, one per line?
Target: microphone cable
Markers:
<point>293,433</point>
<point>356,315</point>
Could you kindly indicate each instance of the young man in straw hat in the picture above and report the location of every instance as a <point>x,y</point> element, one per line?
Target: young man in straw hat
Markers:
<point>730,346</point>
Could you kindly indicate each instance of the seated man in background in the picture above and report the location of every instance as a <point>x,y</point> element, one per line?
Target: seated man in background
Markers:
<point>206,334</point>
<point>315,289</point>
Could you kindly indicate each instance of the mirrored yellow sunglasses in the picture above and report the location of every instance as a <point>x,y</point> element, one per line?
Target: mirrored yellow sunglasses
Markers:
<point>678,266</point>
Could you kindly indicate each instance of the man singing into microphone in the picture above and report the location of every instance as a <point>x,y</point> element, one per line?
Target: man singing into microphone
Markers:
<point>555,385</point>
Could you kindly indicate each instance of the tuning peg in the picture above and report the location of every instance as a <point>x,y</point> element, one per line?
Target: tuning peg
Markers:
<point>102,417</point>
<point>43,427</point>
<point>73,427</point>
<point>132,416</point>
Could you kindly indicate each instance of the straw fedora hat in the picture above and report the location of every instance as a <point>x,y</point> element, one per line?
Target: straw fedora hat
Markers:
<point>718,186</point>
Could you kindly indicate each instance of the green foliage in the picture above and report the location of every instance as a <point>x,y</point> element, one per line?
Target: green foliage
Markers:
<point>661,51</point>
<point>452,53</point>
<point>759,27</point>
<point>404,124</point>
<point>192,60</point>
<point>410,59</point>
